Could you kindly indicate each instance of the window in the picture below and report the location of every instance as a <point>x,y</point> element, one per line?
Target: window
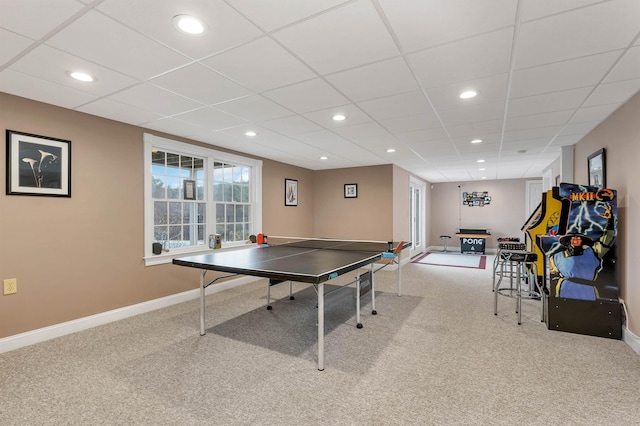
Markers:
<point>231,194</point>
<point>192,193</point>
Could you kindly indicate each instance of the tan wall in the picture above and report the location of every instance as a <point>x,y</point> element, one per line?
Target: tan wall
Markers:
<point>82,255</point>
<point>369,216</point>
<point>278,219</point>
<point>79,256</point>
<point>504,216</point>
<point>620,136</point>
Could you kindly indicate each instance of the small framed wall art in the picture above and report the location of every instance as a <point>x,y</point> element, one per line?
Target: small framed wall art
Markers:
<point>597,169</point>
<point>38,165</point>
<point>290,192</point>
<point>350,190</point>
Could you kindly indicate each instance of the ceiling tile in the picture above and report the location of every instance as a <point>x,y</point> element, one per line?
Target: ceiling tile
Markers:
<point>260,65</point>
<point>594,113</point>
<point>200,84</point>
<point>386,78</point>
<point>410,123</point>
<point>368,135</point>
<point>12,45</point>
<point>535,9</point>
<point>118,111</point>
<point>474,130</point>
<point>307,96</point>
<point>535,121</point>
<point>272,14</point>
<point>612,93</point>
<point>628,68</point>
<point>210,118</point>
<point>472,113</point>
<point>396,106</point>
<point>489,89</point>
<point>420,24</point>
<point>353,114</point>
<point>586,31</point>
<point>565,75</point>
<point>29,87</point>
<point>43,16</point>
<point>174,126</point>
<point>555,101</point>
<point>293,125</point>
<point>150,97</point>
<point>101,40</point>
<point>60,63</point>
<point>253,108</point>
<point>435,134</point>
<point>443,65</point>
<point>225,28</point>
<point>345,37</point>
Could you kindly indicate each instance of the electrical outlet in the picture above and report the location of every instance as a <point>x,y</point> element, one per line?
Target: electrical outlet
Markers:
<point>10,286</point>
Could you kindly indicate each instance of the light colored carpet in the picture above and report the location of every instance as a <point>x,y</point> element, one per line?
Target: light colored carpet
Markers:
<point>453,259</point>
<point>437,355</point>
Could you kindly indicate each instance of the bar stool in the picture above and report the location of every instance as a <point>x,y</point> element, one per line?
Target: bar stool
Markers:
<point>523,284</point>
<point>444,239</point>
<point>505,243</point>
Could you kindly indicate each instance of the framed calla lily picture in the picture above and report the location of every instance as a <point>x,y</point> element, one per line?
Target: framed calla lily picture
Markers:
<point>38,165</point>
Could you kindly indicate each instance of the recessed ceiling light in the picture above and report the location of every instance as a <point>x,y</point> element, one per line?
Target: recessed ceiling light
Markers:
<point>480,161</point>
<point>483,177</point>
<point>468,94</point>
<point>339,117</point>
<point>482,169</point>
<point>391,150</point>
<point>250,133</point>
<point>81,76</point>
<point>476,141</point>
<point>324,158</point>
<point>188,24</point>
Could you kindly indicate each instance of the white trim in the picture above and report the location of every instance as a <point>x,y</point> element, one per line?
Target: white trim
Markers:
<point>150,141</point>
<point>631,339</point>
<point>47,333</point>
<point>415,184</point>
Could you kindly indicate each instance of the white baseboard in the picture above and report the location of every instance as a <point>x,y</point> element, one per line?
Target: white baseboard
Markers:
<point>42,334</point>
<point>631,339</point>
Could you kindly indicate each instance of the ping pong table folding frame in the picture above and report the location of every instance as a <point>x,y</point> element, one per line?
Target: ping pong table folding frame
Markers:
<point>392,257</point>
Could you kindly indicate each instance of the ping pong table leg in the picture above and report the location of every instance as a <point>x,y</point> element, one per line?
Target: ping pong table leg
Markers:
<point>321,326</point>
<point>373,293</point>
<point>202,274</point>
<point>358,323</point>
<point>399,276</point>
<point>269,295</point>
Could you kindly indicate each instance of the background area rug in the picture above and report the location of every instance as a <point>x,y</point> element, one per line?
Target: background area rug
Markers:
<point>453,259</point>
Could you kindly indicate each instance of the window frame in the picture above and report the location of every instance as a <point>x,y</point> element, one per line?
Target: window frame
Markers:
<point>209,155</point>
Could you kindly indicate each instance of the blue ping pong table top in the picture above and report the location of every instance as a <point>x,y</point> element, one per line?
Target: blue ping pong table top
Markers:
<point>312,263</point>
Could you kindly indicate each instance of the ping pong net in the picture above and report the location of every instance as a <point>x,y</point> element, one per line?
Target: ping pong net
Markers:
<point>333,244</point>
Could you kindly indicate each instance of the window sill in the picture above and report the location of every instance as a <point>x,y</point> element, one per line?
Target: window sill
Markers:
<point>164,258</point>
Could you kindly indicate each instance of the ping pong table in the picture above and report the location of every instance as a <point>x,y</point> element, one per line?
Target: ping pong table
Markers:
<point>312,261</point>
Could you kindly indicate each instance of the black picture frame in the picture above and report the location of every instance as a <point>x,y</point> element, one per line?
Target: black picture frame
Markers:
<point>290,192</point>
<point>38,165</point>
<point>596,169</point>
<point>189,189</point>
<point>350,190</point>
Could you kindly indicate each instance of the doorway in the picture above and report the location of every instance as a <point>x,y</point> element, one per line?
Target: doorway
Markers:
<point>417,209</point>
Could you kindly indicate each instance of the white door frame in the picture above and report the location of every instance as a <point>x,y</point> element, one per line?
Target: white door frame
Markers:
<point>417,244</point>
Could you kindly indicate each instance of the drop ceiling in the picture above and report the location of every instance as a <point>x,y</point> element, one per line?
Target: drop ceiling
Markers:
<point>546,72</point>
